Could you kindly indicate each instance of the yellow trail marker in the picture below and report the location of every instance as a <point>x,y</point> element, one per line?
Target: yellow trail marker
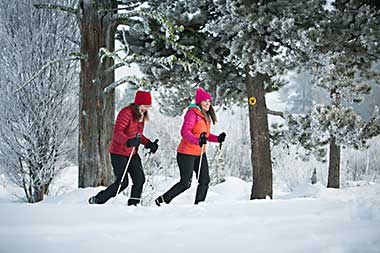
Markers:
<point>252,100</point>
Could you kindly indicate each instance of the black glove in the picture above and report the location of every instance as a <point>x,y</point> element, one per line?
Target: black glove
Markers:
<point>202,139</point>
<point>134,142</point>
<point>153,146</point>
<point>221,137</point>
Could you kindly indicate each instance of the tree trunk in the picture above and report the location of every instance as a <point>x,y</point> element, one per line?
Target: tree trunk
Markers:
<point>96,109</point>
<point>334,165</point>
<point>334,151</point>
<point>260,142</point>
<point>36,195</point>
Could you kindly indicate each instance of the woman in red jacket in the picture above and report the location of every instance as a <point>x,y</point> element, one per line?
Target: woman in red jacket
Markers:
<point>195,133</point>
<point>129,124</point>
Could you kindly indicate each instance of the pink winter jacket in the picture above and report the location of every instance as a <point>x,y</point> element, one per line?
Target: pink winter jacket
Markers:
<point>194,124</point>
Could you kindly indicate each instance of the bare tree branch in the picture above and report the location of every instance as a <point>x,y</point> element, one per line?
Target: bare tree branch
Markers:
<point>276,113</point>
<point>57,7</point>
<point>34,76</point>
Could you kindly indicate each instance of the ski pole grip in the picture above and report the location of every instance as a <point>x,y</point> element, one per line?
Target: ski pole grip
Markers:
<point>156,141</point>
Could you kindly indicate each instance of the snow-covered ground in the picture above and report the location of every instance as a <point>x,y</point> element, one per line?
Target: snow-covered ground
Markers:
<point>309,219</point>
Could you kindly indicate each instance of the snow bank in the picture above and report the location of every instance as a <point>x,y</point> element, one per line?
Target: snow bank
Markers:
<point>310,219</point>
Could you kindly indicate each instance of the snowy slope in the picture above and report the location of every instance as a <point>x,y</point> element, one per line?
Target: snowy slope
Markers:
<point>309,219</point>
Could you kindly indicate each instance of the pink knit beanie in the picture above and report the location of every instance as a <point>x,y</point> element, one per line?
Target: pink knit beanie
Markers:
<point>200,95</point>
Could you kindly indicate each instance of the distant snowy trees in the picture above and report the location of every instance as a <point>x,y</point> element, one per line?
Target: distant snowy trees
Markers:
<point>343,58</point>
<point>36,121</point>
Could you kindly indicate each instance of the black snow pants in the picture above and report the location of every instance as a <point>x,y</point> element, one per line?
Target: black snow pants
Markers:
<point>187,164</point>
<point>119,163</point>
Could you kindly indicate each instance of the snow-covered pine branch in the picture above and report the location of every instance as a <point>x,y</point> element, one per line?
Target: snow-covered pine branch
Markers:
<point>141,82</point>
<point>372,126</point>
<point>171,32</point>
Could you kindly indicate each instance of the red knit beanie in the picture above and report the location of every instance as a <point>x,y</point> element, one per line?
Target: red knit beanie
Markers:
<point>200,95</point>
<point>143,98</point>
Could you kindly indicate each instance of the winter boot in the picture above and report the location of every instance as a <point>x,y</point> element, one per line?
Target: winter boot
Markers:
<point>133,201</point>
<point>92,200</point>
<point>159,200</point>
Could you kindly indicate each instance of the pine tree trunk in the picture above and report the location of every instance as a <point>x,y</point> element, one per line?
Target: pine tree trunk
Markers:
<point>260,142</point>
<point>334,165</point>
<point>96,109</point>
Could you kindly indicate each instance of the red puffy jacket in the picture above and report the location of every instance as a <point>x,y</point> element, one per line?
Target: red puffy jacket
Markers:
<point>126,127</point>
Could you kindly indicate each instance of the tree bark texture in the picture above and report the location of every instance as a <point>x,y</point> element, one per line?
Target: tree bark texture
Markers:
<point>260,142</point>
<point>334,165</point>
<point>96,109</point>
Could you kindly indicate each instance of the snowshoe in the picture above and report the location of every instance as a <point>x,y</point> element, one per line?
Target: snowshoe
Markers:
<point>159,200</point>
<point>92,200</point>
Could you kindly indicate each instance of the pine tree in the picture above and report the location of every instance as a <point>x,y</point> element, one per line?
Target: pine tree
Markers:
<point>260,37</point>
<point>343,65</point>
<point>342,54</point>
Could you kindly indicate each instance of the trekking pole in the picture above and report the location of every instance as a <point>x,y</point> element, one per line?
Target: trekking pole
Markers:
<point>149,155</point>
<point>217,157</point>
<point>126,168</point>
<point>148,182</point>
<point>200,163</point>
<point>199,170</point>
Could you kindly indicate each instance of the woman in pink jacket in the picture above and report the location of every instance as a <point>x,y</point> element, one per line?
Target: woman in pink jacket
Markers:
<point>195,133</point>
<point>128,126</point>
